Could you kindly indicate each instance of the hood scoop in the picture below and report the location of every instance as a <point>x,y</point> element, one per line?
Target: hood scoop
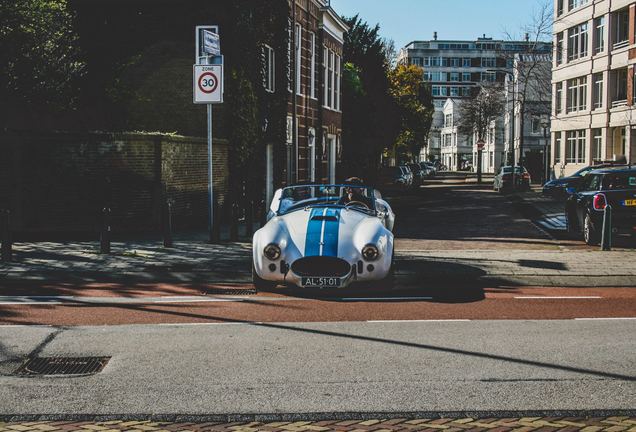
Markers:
<point>328,218</point>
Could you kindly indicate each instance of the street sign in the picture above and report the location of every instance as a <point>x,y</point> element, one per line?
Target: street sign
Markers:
<point>480,144</point>
<point>211,43</point>
<point>208,84</point>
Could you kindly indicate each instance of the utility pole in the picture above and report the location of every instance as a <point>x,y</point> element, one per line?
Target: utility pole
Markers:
<point>292,160</point>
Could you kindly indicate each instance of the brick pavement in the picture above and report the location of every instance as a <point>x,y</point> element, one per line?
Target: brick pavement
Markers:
<point>522,424</point>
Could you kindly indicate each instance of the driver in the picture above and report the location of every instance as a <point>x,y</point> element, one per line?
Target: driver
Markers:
<point>354,194</point>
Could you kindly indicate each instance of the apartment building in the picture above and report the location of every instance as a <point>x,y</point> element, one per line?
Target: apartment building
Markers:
<point>455,69</point>
<point>456,148</point>
<point>593,83</point>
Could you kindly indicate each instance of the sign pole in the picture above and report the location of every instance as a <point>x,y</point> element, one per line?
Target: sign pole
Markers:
<point>210,177</point>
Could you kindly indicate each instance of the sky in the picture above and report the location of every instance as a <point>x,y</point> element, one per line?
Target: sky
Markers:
<point>407,20</point>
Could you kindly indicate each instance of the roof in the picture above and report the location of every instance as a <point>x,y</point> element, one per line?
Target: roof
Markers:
<point>613,170</point>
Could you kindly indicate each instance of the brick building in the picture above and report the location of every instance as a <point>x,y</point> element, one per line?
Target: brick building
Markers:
<point>314,133</point>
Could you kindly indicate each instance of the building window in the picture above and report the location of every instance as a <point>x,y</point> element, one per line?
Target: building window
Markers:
<point>444,90</point>
<point>599,35</point>
<point>466,76</point>
<point>621,29</point>
<point>488,62</point>
<point>536,125</point>
<point>417,61</point>
<point>336,96</point>
<point>577,94</point>
<point>597,90</point>
<point>577,42</point>
<point>557,147</point>
<point>269,63</point>
<point>454,76</point>
<point>466,62</point>
<point>488,76</point>
<point>619,95</point>
<point>299,46</point>
<point>597,144</point>
<point>560,8</point>
<point>573,4</point>
<point>575,146</point>
<point>312,79</point>
<point>559,98</point>
<point>454,91</point>
<point>435,90</point>
<point>332,79</point>
<point>559,49</point>
<point>465,91</point>
<point>448,120</point>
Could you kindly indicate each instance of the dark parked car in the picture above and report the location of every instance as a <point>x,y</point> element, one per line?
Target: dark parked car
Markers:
<point>585,206</point>
<point>503,180</point>
<point>393,179</point>
<point>408,173</point>
<point>429,169</point>
<point>418,174</point>
<point>558,188</point>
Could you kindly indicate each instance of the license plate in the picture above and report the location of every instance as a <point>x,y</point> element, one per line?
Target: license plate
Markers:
<point>629,203</point>
<point>320,282</point>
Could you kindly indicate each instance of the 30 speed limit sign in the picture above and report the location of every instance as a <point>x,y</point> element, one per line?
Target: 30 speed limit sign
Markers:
<point>208,84</point>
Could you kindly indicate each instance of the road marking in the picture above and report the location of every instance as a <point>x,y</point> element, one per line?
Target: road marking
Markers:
<point>607,319</point>
<point>201,324</point>
<point>416,321</point>
<point>557,297</point>
<point>380,298</point>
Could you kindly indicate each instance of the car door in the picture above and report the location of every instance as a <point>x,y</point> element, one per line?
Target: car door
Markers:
<point>585,194</point>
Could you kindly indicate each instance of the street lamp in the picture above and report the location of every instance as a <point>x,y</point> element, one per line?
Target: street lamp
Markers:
<point>545,123</point>
<point>512,121</point>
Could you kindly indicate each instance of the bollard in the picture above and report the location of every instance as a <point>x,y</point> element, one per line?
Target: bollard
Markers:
<point>167,224</point>
<point>6,251</point>
<point>216,224</point>
<point>104,237</point>
<point>606,239</point>
<point>234,229</point>
<point>249,220</point>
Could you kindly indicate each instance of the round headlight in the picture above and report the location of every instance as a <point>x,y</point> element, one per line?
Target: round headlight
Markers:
<point>272,251</point>
<point>370,252</point>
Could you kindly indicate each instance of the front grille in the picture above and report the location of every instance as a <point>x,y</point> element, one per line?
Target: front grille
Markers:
<point>321,266</point>
<point>62,366</point>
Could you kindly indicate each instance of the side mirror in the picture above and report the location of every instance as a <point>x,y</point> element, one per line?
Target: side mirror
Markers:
<point>570,190</point>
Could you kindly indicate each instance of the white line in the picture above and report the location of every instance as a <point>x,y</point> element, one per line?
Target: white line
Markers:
<point>416,321</point>
<point>557,297</point>
<point>201,324</point>
<point>381,298</point>
<point>197,300</point>
<point>31,303</point>
<point>605,319</point>
<point>322,230</point>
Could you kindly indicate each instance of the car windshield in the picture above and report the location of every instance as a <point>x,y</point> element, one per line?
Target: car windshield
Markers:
<point>508,170</point>
<point>584,171</point>
<point>359,198</point>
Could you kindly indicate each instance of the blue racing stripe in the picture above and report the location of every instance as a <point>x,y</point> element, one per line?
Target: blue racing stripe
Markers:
<point>330,236</point>
<point>314,229</point>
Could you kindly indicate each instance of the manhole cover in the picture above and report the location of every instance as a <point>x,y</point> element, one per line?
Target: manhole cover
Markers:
<point>62,366</point>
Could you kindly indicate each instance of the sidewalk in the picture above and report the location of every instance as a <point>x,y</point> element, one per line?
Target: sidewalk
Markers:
<point>196,263</point>
<point>549,213</point>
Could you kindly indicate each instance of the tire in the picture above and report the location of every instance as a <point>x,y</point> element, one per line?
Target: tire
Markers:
<point>261,284</point>
<point>590,234</point>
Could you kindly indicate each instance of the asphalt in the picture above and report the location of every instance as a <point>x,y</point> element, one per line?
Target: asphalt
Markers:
<point>269,368</point>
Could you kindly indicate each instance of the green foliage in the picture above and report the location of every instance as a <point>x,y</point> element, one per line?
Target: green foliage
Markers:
<point>415,105</point>
<point>370,115</point>
<point>39,60</point>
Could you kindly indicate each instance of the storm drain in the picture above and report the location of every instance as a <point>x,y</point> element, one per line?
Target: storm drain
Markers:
<point>62,366</point>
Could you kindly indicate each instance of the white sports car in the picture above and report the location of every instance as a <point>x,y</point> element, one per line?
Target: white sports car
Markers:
<point>324,236</point>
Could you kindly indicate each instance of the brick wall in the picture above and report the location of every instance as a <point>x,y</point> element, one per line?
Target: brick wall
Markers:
<point>60,182</point>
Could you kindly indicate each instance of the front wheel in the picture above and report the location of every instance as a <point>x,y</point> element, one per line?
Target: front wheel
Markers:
<point>259,283</point>
<point>590,234</point>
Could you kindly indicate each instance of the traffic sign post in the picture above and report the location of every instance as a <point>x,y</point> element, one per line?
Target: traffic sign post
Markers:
<point>208,89</point>
<point>480,147</point>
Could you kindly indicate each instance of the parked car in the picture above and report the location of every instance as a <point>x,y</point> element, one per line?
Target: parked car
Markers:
<point>393,179</point>
<point>503,180</point>
<point>408,173</point>
<point>324,236</point>
<point>586,203</point>
<point>558,188</point>
<point>418,174</point>
<point>429,168</point>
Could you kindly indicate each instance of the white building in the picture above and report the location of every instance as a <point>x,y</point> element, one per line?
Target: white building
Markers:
<point>493,152</point>
<point>456,148</point>
<point>593,83</point>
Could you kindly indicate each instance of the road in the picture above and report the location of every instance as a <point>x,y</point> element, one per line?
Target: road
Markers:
<point>428,345</point>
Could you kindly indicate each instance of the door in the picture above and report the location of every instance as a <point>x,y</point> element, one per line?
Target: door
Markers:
<point>331,143</point>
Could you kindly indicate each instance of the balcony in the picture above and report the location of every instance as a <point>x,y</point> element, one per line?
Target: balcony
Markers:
<point>619,103</point>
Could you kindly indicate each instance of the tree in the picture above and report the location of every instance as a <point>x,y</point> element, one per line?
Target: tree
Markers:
<point>415,105</point>
<point>370,115</point>
<point>39,62</point>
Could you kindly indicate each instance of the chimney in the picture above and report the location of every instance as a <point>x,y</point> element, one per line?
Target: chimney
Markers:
<point>434,35</point>
<point>484,35</point>
<point>527,37</point>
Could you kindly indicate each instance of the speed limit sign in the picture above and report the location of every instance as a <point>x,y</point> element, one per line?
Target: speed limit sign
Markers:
<point>208,84</point>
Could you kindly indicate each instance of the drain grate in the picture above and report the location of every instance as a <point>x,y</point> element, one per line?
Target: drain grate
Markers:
<point>62,366</point>
<point>230,291</point>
